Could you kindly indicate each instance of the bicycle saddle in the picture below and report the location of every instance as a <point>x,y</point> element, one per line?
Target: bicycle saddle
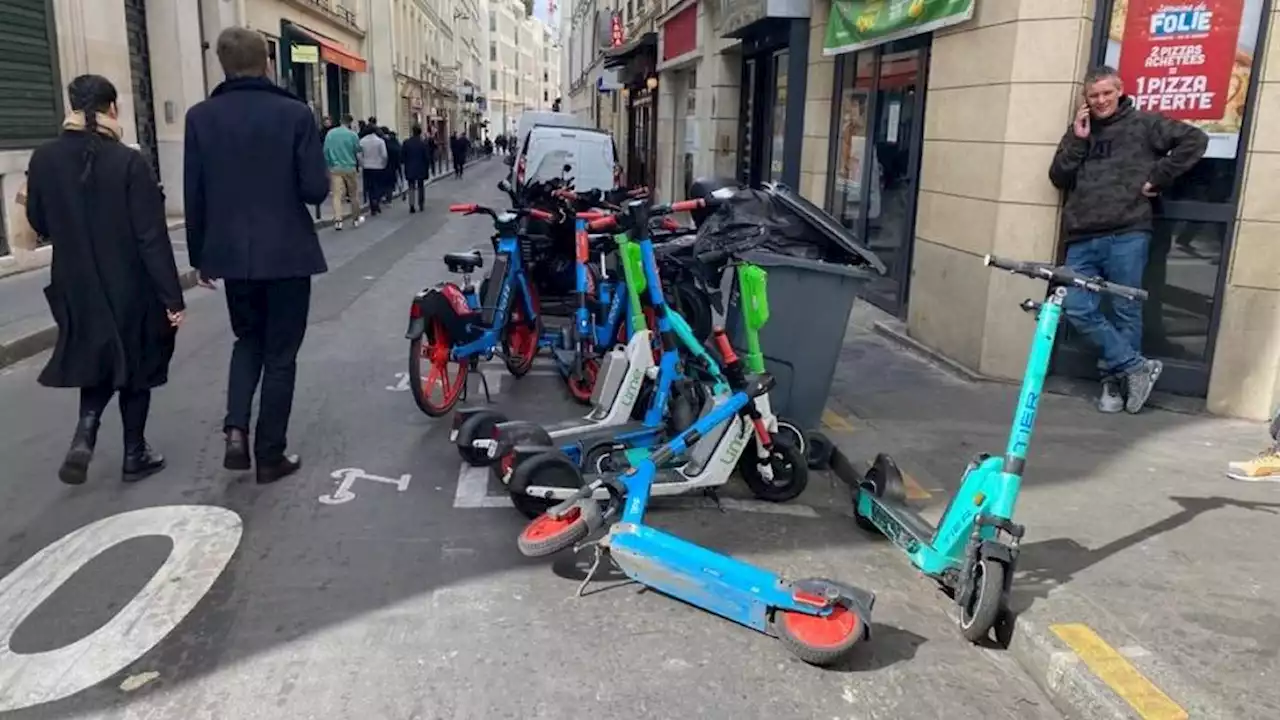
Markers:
<point>463,262</point>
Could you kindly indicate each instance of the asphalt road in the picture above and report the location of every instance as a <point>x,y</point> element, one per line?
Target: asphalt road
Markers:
<point>197,594</point>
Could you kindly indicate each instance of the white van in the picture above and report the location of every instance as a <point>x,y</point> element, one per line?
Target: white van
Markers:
<point>589,154</point>
<point>538,117</point>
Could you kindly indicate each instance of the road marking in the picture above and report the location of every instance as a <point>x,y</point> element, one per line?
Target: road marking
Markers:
<point>402,383</point>
<point>473,493</point>
<point>204,539</point>
<point>348,476</point>
<point>1118,673</point>
<point>914,489</point>
<point>836,421</point>
<point>473,490</point>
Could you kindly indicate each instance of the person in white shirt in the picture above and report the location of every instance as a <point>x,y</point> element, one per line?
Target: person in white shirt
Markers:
<point>373,156</point>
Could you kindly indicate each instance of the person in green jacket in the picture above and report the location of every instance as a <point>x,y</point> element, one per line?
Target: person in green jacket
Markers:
<point>342,155</point>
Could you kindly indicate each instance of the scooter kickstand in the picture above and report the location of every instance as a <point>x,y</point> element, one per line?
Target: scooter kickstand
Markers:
<point>715,497</point>
<point>599,553</point>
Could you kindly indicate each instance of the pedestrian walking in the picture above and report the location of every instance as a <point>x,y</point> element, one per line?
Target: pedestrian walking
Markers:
<point>373,157</point>
<point>342,157</point>
<point>391,180</point>
<point>113,290</point>
<point>459,147</point>
<point>253,161</point>
<point>501,143</point>
<point>417,160</point>
<point>1266,466</point>
<point>1111,162</point>
<point>326,124</point>
<point>433,153</point>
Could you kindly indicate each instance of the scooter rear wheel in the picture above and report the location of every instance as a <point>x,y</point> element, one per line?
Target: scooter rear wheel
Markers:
<point>820,640</point>
<point>547,469</point>
<point>790,472</point>
<point>581,385</point>
<point>547,535</point>
<point>520,343</point>
<point>477,427</point>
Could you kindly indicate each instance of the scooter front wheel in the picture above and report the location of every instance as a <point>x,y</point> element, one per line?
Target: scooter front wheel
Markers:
<point>980,613</point>
<point>548,535</point>
<point>789,468</point>
<point>820,640</point>
<point>583,383</point>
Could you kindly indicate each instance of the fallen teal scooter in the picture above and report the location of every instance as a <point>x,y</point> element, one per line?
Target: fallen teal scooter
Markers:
<point>973,551</point>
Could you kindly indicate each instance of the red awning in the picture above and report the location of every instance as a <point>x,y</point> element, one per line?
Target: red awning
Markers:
<point>332,52</point>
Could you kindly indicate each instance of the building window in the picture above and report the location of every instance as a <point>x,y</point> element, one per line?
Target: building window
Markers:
<point>493,79</point>
<point>545,76</point>
<point>493,21</point>
<point>517,86</point>
<point>545,96</point>
<point>493,52</point>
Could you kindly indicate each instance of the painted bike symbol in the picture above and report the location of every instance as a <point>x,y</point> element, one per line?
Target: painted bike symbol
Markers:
<point>348,476</point>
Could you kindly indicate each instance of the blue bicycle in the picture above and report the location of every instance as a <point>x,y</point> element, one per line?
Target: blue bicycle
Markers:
<point>819,620</point>
<point>452,327</point>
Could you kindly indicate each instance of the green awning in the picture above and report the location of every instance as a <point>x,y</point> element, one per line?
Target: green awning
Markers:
<point>857,24</point>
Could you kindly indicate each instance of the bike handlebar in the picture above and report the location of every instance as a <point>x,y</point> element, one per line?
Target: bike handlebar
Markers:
<point>724,346</point>
<point>1064,276</point>
<point>473,209</point>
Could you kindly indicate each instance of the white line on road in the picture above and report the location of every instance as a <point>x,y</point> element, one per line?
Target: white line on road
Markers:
<point>473,490</point>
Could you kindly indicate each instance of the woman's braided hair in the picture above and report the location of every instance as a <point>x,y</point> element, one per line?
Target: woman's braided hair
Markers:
<point>90,95</point>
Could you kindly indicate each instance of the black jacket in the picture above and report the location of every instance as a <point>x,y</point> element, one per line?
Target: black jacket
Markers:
<point>1103,174</point>
<point>113,273</point>
<point>416,158</point>
<point>393,153</point>
<point>254,163</point>
<point>459,146</point>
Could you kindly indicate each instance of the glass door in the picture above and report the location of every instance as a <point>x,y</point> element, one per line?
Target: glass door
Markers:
<point>777,115</point>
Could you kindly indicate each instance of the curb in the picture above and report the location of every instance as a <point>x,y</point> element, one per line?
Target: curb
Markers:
<point>43,337</point>
<point>1067,682</point>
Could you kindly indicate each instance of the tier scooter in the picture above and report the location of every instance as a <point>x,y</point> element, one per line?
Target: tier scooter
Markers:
<point>819,620</point>
<point>973,550</point>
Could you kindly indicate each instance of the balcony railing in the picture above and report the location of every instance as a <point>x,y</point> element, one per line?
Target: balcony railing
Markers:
<point>333,11</point>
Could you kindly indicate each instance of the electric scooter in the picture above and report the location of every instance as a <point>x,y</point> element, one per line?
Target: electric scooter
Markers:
<point>454,326</point>
<point>973,551</point>
<point>544,474</point>
<point>819,620</point>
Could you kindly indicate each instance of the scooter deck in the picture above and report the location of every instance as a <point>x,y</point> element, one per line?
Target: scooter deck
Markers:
<point>622,434</point>
<point>922,530</point>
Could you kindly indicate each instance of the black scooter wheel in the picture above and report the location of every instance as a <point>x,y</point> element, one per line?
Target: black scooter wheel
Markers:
<point>547,535</point>
<point>548,469</point>
<point>979,614</point>
<point>820,451</point>
<point>790,432</point>
<point>820,640</point>
<point>790,472</point>
<point>477,427</point>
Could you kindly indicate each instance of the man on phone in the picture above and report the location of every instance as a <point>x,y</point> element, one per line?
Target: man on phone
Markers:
<point>1111,162</point>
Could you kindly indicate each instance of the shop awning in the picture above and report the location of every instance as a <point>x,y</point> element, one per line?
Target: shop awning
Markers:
<point>857,24</point>
<point>622,54</point>
<point>332,52</point>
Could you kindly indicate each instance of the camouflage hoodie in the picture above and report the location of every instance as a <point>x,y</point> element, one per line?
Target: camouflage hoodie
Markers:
<point>1104,173</point>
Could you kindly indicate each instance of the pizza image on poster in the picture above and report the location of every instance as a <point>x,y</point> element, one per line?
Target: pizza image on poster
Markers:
<point>1177,57</point>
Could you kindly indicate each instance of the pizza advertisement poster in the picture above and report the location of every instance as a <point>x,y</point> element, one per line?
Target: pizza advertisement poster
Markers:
<point>1189,60</point>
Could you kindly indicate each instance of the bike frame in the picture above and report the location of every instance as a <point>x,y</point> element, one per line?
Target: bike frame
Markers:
<point>514,280</point>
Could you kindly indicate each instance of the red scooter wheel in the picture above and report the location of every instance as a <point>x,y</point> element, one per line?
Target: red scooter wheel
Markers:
<point>581,385</point>
<point>820,640</point>
<point>547,535</point>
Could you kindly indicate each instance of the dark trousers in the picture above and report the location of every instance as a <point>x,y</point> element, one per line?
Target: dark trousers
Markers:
<point>417,188</point>
<point>269,319</point>
<point>458,163</point>
<point>373,189</point>
<point>433,164</point>
<point>135,405</point>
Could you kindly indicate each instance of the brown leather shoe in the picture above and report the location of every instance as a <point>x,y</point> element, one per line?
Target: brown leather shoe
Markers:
<point>283,468</point>
<point>237,454</point>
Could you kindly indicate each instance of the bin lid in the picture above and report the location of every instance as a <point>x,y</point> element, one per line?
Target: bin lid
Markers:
<point>828,226</point>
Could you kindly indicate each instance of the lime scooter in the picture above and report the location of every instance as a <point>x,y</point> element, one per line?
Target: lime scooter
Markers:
<point>819,620</point>
<point>973,551</point>
<point>773,471</point>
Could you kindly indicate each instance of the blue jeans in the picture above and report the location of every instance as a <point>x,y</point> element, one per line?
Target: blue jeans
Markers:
<point>1120,259</point>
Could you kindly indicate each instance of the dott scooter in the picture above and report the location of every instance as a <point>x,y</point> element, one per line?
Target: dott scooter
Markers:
<point>452,325</point>
<point>973,551</point>
<point>819,620</point>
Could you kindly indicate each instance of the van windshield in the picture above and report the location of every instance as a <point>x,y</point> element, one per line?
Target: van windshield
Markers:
<point>588,155</point>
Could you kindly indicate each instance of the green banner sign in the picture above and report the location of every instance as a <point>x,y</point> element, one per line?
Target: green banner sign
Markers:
<point>857,24</point>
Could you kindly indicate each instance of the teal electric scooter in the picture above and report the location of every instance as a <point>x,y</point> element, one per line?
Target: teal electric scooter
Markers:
<point>973,550</point>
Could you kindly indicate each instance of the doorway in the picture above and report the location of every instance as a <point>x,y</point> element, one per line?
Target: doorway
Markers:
<point>135,18</point>
<point>763,127</point>
<point>878,126</point>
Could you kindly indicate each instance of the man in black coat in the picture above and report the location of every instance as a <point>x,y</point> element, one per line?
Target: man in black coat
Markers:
<point>253,164</point>
<point>417,163</point>
<point>391,182</point>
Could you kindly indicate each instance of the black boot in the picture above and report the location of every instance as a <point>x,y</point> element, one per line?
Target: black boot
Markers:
<point>75,466</point>
<point>237,451</point>
<point>278,470</point>
<point>141,462</point>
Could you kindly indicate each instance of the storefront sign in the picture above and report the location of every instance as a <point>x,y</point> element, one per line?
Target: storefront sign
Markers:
<point>680,33</point>
<point>857,24</point>
<point>304,54</point>
<point>1188,60</point>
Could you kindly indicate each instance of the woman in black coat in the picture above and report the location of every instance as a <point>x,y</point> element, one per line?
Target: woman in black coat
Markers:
<point>114,292</point>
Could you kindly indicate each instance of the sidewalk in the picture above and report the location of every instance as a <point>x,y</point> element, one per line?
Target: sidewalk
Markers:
<point>1146,578</point>
<point>26,327</point>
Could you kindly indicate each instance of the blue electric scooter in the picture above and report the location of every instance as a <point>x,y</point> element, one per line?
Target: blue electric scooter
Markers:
<point>973,551</point>
<point>819,620</point>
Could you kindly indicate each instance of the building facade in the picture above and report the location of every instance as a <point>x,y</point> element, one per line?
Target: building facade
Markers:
<point>524,64</point>
<point>927,128</point>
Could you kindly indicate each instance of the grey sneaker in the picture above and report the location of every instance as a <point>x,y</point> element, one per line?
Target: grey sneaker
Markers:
<point>338,226</point>
<point>1141,382</point>
<point>1110,401</point>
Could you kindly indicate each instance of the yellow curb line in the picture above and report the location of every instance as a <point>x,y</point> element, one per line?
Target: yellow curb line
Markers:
<point>1118,673</point>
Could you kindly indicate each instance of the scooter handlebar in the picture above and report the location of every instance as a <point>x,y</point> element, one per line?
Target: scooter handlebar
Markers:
<point>1065,276</point>
<point>608,222</point>
<point>467,208</point>
<point>542,215</point>
<point>724,346</point>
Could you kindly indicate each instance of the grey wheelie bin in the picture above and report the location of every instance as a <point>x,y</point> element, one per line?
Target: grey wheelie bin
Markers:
<point>809,305</point>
